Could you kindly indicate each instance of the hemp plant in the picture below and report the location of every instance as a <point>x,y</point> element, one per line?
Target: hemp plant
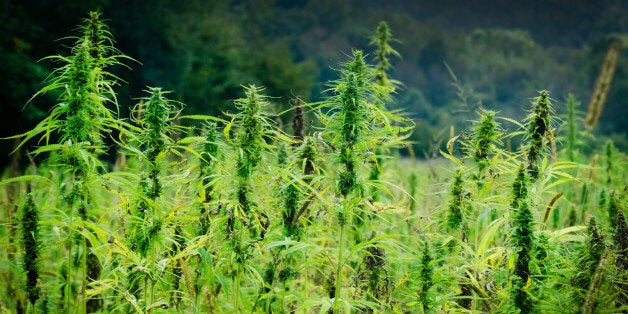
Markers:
<point>572,104</point>
<point>79,120</point>
<point>295,206</point>
<point>426,275</point>
<point>31,241</point>
<point>486,135</point>
<point>382,39</point>
<point>587,265</point>
<point>457,202</point>
<point>539,132</point>
<point>150,143</point>
<point>306,159</point>
<point>384,87</point>
<point>357,126</point>
<point>208,161</point>
<point>305,155</point>
<point>153,116</point>
<point>349,121</point>
<point>522,239</point>
<point>620,243</point>
<point>292,197</point>
<point>252,127</point>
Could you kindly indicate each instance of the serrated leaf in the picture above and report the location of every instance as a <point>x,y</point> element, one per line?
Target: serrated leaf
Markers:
<point>452,158</point>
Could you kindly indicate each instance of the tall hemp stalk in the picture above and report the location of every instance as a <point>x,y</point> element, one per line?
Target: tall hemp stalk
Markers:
<point>457,203</point>
<point>381,39</point>
<point>154,117</point>
<point>79,119</point>
<point>252,126</point>
<point>291,192</point>
<point>352,117</point>
<point>571,127</point>
<point>305,158</point>
<point>31,242</point>
<point>296,198</point>
<point>481,148</point>
<point>385,128</point>
<point>620,243</point>
<point>358,125</point>
<point>522,239</point>
<point>209,206</point>
<point>208,161</point>
<point>483,145</point>
<point>458,209</point>
<point>539,132</point>
<point>426,275</point>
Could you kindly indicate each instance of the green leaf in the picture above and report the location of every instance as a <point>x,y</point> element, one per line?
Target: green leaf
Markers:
<point>28,179</point>
<point>452,158</point>
<point>203,118</point>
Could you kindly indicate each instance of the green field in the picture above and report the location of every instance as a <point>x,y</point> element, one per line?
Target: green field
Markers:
<point>332,212</point>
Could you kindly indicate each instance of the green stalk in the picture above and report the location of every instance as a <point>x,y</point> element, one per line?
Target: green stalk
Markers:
<point>305,279</point>
<point>84,274</point>
<point>30,242</point>
<point>238,275</point>
<point>68,279</point>
<point>539,132</point>
<point>523,239</point>
<point>236,291</point>
<point>149,285</point>
<point>456,202</point>
<point>609,162</point>
<point>79,120</point>
<point>571,127</point>
<point>340,251</point>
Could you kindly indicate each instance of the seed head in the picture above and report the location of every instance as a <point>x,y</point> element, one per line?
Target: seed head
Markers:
<point>30,244</point>
<point>456,201</point>
<point>538,131</point>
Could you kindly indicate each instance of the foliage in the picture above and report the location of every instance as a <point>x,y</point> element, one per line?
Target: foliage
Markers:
<point>205,214</point>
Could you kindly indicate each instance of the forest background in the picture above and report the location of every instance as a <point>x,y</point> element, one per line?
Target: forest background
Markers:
<point>455,55</point>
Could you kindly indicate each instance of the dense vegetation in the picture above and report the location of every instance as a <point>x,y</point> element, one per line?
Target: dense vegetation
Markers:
<point>240,213</point>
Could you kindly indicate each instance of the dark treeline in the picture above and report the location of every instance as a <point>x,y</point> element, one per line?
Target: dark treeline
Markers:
<point>501,53</point>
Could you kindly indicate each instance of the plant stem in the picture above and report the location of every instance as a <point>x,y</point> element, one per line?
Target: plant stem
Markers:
<point>305,279</point>
<point>68,279</point>
<point>150,291</point>
<point>237,290</point>
<point>340,249</point>
<point>84,282</point>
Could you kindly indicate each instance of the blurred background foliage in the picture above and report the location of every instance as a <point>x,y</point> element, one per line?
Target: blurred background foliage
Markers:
<point>455,54</point>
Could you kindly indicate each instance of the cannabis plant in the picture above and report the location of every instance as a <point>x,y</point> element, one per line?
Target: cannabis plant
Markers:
<point>79,120</point>
<point>457,202</point>
<point>153,115</point>
<point>209,159</point>
<point>31,241</point>
<point>621,260</point>
<point>539,132</point>
<point>384,87</point>
<point>486,136</point>
<point>522,238</point>
<point>350,120</point>
<point>252,127</point>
